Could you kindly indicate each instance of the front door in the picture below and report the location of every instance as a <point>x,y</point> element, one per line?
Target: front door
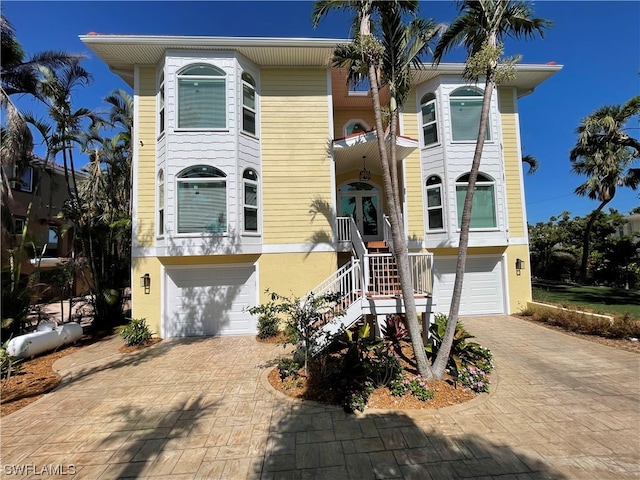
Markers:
<point>361,201</point>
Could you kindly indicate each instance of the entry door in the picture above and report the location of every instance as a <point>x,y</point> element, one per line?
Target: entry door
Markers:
<point>361,201</point>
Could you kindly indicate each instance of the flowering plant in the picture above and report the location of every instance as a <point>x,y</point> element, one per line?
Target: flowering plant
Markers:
<point>358,396</point>
<point>474,378</point>
<point>416,385</point>
<point>419,389</point>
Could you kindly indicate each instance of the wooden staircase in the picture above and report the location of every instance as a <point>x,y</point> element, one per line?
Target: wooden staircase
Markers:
<point>384,279</point>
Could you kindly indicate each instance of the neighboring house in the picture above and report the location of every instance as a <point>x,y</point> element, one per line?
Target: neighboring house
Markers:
<point>632,227</point>
<point>37,197</point>
<point>256,167</point>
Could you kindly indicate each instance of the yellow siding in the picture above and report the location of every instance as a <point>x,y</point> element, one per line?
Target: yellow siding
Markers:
<point>295,165</point>
<point>341,117</point>
<point>294,273</point>
<point>519,285</point>
<point>512,163</point>
<point>146,116</point>
<point>208,259</point>
<point>413,175</point>
<point>144,305</point>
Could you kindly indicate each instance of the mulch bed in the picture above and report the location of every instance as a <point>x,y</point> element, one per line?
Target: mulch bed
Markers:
<point>447,393</point>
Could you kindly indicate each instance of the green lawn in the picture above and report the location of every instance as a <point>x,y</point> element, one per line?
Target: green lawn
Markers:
<point>597,299</point>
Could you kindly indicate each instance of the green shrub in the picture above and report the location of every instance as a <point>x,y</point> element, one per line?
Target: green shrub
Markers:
<point>136,332</point>
<point>288,367</point>
<point>8,364</point>
<point>463,352</point>
<point>268,316</point>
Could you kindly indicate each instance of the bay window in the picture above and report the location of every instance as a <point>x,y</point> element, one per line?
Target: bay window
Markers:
<point>202,200</point>
<point>483,210</point>
<point>466,109</point>
<point>202,98</point>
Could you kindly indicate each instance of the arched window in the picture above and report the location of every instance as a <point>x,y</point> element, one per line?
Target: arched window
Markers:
<point>202,200</point>
<point>483,210</point>
<point>355,126</point>
<point>161,202</point>
<point>466,108</point>
<point>250,195</point>
<point>248,103</point>
<point>429,121</point>
<point>202,99</point>
<point>435,219</point>
<point>161,104</point>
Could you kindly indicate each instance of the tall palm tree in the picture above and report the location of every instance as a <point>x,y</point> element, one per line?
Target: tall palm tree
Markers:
<point>56,89</point>
<point>18,76</point>
<point>386,62</point>
<point>481,26</point>
<point>607,168</point>
<point>607,125</point>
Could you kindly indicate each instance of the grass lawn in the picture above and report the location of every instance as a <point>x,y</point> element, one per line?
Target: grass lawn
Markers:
<point>597,299</point>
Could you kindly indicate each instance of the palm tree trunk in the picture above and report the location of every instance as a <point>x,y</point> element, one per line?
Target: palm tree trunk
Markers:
<point>440,363</point>
<point>400,249</point>
<point>587,238</point>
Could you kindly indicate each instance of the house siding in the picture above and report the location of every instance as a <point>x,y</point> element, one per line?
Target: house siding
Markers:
<point>144,233</point>
<point>296,167</point>
<point>412,174</point>
<point>512,162</point>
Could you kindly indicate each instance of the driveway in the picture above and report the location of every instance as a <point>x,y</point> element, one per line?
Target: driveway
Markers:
<point>560,408</point>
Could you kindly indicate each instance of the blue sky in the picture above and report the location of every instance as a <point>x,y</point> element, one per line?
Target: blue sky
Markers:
<point>597,42</point>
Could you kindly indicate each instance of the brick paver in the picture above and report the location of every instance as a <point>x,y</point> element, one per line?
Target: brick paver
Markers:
<point>560,408</point>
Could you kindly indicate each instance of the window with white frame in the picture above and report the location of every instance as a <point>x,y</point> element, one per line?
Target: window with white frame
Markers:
<point>483,209</point>
<point>161,202</point>
<point>25,179</point>
<point>248,103</point>
<point>466,109</point>
<point>202,98</point>
<point>161,104</point>
<point>429,120</point>
<point>353,127</point>
<point>202,200</point>
<point>250,196</point>
<point>435,217</point>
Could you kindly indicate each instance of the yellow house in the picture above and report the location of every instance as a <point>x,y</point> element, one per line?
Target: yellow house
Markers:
<point>256,166</point>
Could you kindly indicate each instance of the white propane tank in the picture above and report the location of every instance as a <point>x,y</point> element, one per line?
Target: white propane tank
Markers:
<point>32,344</point>
<point>46,326</point>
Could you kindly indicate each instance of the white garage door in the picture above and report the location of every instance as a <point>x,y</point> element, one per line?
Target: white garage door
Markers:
<point>209,301</point>
<point>482,290</point>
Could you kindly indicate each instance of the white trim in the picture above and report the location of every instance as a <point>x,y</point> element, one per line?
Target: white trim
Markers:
<point>163,296</point>
<point>506,294</point>
<point>297,248</point>
<point>519,240</point>
<point>135,162</point>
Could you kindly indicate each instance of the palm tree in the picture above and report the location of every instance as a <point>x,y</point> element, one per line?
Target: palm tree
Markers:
<point>607,126</point>
<point>18,76</point>
<point>481,26</point>
<point>607,168</point>
<point>387,63</point>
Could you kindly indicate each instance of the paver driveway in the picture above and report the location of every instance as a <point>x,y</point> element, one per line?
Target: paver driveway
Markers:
<point>562,408</point>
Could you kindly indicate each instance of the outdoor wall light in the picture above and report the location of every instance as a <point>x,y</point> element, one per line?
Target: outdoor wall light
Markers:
<point>519,265</point>
<point>145,282</point>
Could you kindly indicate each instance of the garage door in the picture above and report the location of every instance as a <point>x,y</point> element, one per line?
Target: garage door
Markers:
<point>210,301</point>
<point>482,290</point>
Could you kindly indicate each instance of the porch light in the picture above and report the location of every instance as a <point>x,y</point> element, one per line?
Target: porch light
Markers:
<point>145,282</point>
<point>519,265</point>
<point>364,173</point>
